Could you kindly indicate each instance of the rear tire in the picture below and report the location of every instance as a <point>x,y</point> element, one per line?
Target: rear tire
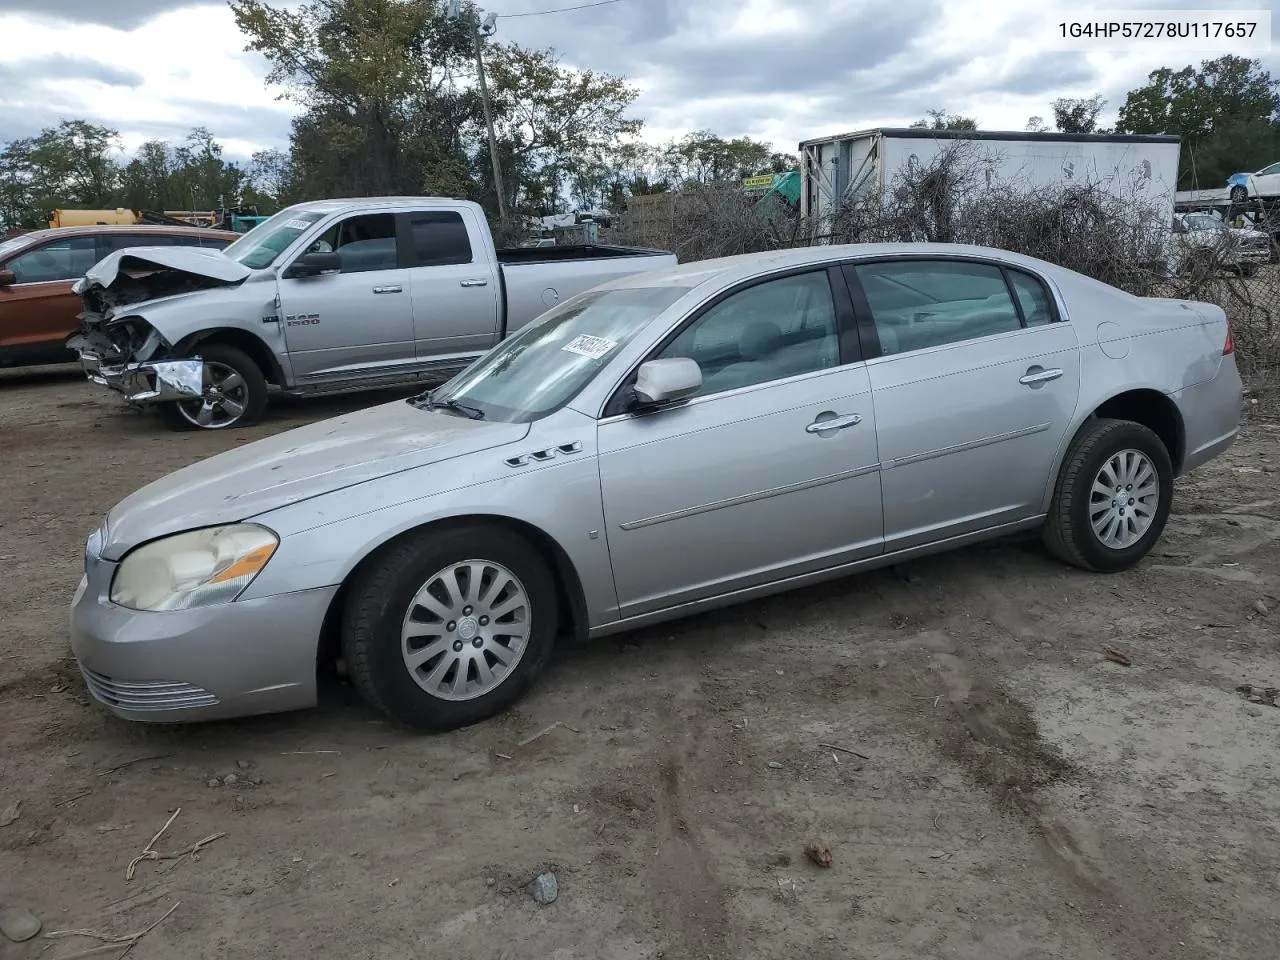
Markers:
<point>430,666</point>
<point>249,393</point>
<point>1110,531</point>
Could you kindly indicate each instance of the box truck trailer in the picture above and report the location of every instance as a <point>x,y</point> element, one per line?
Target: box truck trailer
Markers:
<point>849,167</point>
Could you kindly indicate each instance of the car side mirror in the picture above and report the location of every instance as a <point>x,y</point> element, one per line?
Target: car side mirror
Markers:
<point>667,381</point>
<point>314,264</point>
<point>8,278</point>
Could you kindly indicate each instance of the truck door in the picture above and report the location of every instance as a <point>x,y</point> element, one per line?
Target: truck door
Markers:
<point>357,322</point>
<point>455,285</point>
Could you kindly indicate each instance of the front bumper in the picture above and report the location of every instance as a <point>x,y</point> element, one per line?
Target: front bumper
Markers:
<point>212,663</point>
<point>145,383</point>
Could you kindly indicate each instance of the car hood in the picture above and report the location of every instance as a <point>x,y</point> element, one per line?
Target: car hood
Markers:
<point>138,261</point>
<point>307,462</point>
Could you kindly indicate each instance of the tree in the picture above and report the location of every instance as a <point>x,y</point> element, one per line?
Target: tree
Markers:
<point>941,120</point>
<point>376,81</point>
<point>1229,93</point>
<point>1078,114</point>
<point>559,126</point>
<point>1036,125</point>
<point>704,158</point>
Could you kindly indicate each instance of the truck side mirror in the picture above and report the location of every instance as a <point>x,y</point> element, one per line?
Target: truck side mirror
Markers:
<point>314,264</point>
<point>8,278</point>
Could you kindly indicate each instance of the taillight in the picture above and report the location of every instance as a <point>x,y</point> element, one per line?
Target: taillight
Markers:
<point>1230,345</point>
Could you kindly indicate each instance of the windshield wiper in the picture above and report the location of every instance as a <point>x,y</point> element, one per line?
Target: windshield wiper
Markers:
<point>428,401</point>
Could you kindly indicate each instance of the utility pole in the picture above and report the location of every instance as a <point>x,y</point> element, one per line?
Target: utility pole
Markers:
<point>479,32</point>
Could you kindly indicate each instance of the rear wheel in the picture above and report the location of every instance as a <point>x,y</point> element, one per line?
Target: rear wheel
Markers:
<point>1112,497</point>
<point>450,627</point>
<point>235,393</point>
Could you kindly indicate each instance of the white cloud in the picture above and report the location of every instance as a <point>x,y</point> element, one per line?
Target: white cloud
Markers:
<point>782,70</point>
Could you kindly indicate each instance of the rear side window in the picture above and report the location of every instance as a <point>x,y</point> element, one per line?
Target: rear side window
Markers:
<point>439,239</point>
<point>1033,298</point>
<point>917,304</point>
<point>66,259</point>
<point>215,243</point>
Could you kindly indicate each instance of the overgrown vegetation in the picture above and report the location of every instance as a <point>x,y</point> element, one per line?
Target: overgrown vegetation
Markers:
<point>1095,229</point>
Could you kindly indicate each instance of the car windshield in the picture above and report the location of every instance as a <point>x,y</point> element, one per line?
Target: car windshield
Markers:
<point>260,246</point>
<point>1204,222</point>
<point>543,367</point>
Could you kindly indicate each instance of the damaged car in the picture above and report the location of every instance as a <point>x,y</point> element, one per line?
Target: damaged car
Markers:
<point>327,297</point>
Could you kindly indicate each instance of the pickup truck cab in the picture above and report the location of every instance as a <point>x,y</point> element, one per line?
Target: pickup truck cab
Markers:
<point>325,297</point>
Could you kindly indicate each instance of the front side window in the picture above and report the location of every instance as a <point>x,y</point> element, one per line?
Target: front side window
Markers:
<point>1270,171</point>
<point>776,329</point>
<point>547,363</point>
<point>119,241</point>
<point>916,304</point>
<point>66,259</point>
<point>363,243</point>
<point>439,239</point>
<point>260,247</point>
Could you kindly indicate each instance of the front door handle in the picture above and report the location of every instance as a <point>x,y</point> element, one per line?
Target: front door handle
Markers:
<point>474,282</point>
<point>833,423</point>
<point>1037,375</point>
<point>388,289</point>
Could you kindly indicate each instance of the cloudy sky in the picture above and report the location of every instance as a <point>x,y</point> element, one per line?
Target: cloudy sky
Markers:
<point>780,70</point>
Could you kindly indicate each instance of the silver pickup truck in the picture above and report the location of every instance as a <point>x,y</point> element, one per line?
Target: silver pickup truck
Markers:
<point>326,297</point>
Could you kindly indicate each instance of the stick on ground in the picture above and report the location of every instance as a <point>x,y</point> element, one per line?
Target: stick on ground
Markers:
<point>832,746</point>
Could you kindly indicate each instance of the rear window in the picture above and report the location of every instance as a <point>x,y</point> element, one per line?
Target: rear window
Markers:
<point>439,239</point>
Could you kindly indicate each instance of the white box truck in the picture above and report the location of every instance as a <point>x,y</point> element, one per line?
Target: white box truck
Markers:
<point>842,169</point>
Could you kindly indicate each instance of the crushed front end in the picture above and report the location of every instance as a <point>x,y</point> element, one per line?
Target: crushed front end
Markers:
<point>123,351</point>
<point>131,357</point>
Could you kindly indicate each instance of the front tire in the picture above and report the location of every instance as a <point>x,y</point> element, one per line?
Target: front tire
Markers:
<point>235,393</point>
<point>450,627</point>
<point>1239,194</point>
<point>1112,497</point>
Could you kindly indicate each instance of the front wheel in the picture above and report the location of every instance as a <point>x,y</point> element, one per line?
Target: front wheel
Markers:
<point>1112,497</point>
<point>450,626</point>
<point>1239,194</point>
<point>234,395</point>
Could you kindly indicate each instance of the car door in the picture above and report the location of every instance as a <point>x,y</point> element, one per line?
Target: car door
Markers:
<point>454,286</point>
<point>975,379</point>
<point>38,310</point>
<point>1267,181</point>
<point>769,472</point>
<point>357,322</point>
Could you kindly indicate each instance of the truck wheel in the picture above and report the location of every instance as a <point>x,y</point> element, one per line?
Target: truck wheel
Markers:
<point>1112,497</point>
<point>450,627</point>
<point>235,393</point>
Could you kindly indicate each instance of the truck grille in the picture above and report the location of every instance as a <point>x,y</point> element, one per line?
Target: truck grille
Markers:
<point>147,694</point>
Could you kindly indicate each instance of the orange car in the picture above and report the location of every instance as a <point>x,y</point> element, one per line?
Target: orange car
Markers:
<point>38,311</point>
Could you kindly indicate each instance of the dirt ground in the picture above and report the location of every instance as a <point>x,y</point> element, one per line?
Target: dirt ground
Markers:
<point>1014,794</point>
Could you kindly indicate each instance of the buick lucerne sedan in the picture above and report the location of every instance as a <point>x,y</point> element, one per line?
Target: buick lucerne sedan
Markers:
<point>660,445</point>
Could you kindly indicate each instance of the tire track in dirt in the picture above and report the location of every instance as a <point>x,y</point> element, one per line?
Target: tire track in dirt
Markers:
<point>996,739</point>
<point>691,904</point>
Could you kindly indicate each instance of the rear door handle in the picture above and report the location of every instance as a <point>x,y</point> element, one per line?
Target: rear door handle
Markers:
<point>388,289</point>
<point>475,282</point>
<point>833,423</point>
<point>1036,375</point>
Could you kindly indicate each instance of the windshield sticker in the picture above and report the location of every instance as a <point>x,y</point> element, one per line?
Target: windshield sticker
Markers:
<point>591,347</point>
<point>296,224</point>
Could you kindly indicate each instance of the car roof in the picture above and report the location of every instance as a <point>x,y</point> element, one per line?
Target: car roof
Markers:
<point>727,271</point>
<point>123,228</point>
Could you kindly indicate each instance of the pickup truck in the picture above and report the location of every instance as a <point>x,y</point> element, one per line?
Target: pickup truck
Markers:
<point>327,297</point>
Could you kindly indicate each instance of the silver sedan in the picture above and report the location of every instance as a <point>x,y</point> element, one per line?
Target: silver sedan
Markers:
<point>658,446</point>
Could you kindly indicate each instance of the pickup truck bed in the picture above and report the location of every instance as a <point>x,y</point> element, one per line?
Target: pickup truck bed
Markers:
<point>530,274</point>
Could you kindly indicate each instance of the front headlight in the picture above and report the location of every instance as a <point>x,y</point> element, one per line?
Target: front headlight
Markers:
<point>195,569</point>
